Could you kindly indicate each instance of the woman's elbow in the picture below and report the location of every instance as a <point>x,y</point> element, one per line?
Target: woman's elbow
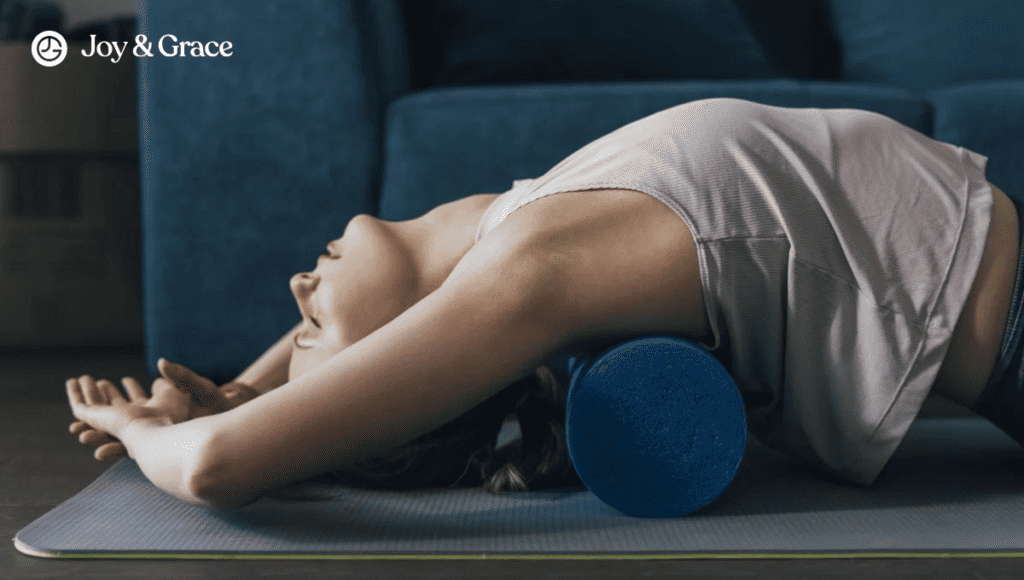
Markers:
<point>211,482</point>
<point>214,492</point>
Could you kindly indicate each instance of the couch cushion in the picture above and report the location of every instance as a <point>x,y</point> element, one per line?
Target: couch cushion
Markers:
<point>445,144</point>
<point>928,44</point>
<point>796,36</point>
<point>468,42</point>
<point>987,118</point>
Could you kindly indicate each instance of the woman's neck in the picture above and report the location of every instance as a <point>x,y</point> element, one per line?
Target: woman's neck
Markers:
<point>442,236</point>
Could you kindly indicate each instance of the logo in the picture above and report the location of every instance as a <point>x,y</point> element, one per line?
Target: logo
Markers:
<point>49,48</point>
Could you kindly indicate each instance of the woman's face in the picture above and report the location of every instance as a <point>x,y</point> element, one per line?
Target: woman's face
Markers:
<point>368,278</point>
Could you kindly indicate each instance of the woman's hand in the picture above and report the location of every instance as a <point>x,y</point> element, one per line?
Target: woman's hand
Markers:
<point>205,398</point>
<point>103,410</point>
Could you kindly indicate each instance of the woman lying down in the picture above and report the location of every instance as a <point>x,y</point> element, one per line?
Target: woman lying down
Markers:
<point>841,264</point>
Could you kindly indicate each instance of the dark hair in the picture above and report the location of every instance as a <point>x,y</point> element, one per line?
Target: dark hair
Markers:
<point>464,452</point>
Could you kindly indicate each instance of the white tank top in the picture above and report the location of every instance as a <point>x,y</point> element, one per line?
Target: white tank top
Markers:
<point>836,247</point>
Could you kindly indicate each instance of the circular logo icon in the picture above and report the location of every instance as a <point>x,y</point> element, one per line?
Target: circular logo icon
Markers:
<point>49,48</point>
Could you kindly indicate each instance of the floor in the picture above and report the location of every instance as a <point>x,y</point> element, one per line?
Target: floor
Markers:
<point>41,465</point>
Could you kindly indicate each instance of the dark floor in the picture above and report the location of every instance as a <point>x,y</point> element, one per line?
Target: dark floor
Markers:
<point>41,465</point>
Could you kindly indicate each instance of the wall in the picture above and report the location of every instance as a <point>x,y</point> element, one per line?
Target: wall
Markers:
<point>69,196</point>
<point>81,11</point>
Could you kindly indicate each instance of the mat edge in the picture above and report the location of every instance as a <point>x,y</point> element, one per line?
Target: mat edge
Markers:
<point>30,551</point>
<point>25,549</point>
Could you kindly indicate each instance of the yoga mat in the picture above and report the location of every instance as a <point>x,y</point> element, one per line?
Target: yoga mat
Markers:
<point>954,488</point>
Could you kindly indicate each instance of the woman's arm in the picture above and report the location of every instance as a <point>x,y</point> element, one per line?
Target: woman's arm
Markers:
<point>267,372</point>
<point>271,369</point>
<point>167,453</point>
<point>565,269</point>
<point>153,429</point>
<point>480,331</point>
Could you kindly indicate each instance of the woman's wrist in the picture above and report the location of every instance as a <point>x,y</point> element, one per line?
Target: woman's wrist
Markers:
<point>270,370</point>
<point>130,433</point>
<point>151,421</point>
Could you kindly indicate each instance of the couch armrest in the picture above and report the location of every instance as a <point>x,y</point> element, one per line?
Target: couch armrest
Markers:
<point>251,163</point>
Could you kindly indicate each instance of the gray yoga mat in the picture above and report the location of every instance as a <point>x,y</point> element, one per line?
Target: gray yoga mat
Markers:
<point>954,488</point>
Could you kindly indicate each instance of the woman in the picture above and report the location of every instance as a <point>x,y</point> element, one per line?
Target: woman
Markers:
<point>840,264</point>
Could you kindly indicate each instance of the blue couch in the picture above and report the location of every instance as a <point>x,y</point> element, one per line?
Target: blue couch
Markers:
<point>329,108</point>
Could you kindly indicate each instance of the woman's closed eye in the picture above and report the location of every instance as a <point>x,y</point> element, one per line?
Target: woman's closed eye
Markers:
<point>328,256</point>
<point>333,250</point>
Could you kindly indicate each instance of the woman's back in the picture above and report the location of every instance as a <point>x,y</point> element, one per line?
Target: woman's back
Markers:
<point>836,249</point>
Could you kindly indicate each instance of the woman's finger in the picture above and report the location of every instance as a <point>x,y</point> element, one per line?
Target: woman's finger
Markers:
<point>75,392</point>
<point>110,391</point>
<point>236,394</point>
<point>93,438</point>
<point>110,451</point>
<point>77,427</point>
<point>203,391</point>
<point>136,393</point>
<point>92,392</point>
<point>162,385</point>
<point>88,393</point>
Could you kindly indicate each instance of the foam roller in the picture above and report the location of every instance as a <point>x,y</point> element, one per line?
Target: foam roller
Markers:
<point>655,426</point>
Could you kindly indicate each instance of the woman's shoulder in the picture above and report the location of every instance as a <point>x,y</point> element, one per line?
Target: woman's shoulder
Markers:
<point>606,250</point>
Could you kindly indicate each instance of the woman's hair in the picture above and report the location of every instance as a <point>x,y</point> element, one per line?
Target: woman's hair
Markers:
<point>464,452</point>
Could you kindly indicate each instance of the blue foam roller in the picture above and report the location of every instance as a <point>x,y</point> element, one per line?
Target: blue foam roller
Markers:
<point>655,426</point>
